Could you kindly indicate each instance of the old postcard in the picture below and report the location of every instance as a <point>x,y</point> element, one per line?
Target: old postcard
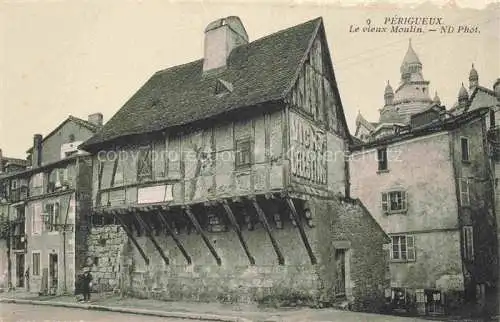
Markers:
<point>232,161</point>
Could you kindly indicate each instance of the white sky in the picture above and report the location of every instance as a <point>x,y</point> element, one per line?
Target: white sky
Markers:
<point>80,57</point>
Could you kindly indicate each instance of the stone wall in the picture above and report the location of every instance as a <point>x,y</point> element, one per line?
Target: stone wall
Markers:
<point>105,247</point>
<point>236,280</point>
<point>348,225</point>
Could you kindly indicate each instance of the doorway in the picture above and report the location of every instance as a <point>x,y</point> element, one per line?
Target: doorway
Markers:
<point>19,270</point>
<point>340,269</point>
<point>53,273</point>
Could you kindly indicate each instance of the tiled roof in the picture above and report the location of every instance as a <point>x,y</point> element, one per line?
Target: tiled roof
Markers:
<point>259,72</point>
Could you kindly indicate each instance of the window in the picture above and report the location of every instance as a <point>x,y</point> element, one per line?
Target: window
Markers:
<point>394,201</point>
<point>464,142</point>
<point>71,138</point>
<point>468,242</point>
<point>52,212</point>
<point>464,191</point>
<point>35,266</point>
<point>36,219</point>
<point>37,184</point>
<point>382,159</point>
<point>243,153</point>
<point>403,248</point>
<point>144,165</point>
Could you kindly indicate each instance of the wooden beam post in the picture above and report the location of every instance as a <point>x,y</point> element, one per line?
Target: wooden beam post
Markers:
<point>303,235</point>
<point>174,236</point>
<point>131,236</point>
<point>196,224</point>
<point>237,229</point>
<point>148,231</point>
<point>263,220</point>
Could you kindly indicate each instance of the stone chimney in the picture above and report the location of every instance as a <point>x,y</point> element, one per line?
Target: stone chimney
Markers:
<point>96,119</point>
<point>36,154</point>
<point>221,37</point>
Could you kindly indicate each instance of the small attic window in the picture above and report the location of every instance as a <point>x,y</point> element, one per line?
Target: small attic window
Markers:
<point>71,138</point>
<point>222,87</point>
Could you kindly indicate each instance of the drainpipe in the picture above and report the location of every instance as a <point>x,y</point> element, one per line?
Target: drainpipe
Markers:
<point>65,289</point>
<point>9,263</point>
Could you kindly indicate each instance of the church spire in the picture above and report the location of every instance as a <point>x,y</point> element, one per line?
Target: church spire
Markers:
<point>411,63</point>
<point>388,94</point>
<point>473,78</point>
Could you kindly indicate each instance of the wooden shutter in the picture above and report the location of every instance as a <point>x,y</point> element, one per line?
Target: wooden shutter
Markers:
<point>385,203</point>
<point>410,248</point>
<point>464,191</point>
<point>403,200</point>
<point>468,242</point>
<point>144,165</point>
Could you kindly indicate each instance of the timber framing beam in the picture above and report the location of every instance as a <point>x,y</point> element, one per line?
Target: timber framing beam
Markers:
<point>263,219</point>
<point>130,235</point>
<point>237,229</point>
<point>196,224</point>
<point>149,233</point>
<point>174,236</point>
<point>302,232</point>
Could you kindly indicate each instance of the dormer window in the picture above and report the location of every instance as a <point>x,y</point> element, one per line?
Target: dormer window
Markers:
<point>223,87</point>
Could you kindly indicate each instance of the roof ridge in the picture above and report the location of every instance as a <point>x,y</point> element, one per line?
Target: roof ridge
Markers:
<point>251,42</point>
<point>319,19</point>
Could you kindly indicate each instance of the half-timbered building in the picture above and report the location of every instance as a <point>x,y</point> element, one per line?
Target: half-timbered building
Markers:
<point>228,180</point>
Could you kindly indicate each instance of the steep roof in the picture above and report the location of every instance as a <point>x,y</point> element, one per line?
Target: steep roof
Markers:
<point>411,56</point>
<point>90,126</point>
<point>260,71</point>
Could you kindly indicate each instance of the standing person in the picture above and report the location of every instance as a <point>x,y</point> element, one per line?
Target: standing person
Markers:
<point>87,284</point>
<point>27,275</point>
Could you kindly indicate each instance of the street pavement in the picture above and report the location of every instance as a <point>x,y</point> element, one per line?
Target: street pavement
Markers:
<point>38,313</point>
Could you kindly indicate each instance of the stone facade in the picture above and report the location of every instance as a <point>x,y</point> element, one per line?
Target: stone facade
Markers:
<point>440,207</point>
<point>105,247</point>
<point>338,224</point>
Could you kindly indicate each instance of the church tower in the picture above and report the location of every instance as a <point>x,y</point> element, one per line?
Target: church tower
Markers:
<point>412,95</point>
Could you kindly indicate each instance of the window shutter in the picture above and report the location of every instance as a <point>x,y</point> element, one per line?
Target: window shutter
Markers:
<point>384,202</point>
<point>410,248</point>
<point>56,213</point>
<point>403,200</point>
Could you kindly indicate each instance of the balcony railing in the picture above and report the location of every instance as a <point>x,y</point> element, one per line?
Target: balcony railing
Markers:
<point>19,194</point>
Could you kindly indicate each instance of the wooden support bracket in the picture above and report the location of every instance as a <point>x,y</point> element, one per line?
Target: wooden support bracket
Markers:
<point>149,233</point>
<point>130,235</point>
<point>174,236</point>
<point>303,235</point>
<point>263,219</point>
<point>196,224</point>
<point>237,229</point>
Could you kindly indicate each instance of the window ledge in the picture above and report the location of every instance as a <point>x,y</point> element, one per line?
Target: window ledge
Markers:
<point>396,212</point>
<point>403,261</point>
<point>382,171</point>
<point>467,162</point>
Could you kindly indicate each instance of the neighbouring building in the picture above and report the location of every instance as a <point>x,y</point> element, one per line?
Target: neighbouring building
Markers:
<point>7,167</point>
<point>47,206</point>
<point>225,179</point>
<point>429,183</point>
